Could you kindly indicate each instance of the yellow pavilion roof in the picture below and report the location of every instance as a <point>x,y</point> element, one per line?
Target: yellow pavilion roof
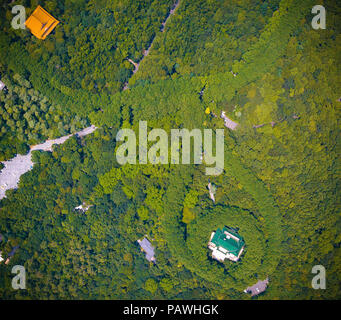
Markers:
<point>41,23</point>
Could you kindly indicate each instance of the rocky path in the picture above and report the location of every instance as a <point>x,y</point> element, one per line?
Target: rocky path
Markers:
<point>20,164</point>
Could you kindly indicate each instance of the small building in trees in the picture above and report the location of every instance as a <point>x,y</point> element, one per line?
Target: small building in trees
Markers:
<point>228,123</point>
<point>41,23</point>
<point>226,244</point>
<point>83,207</point>
<point>2,85</point>
<point>212,188</point>
<point>1,258</point>
<point>11,254</point>
<point>257,288</point>
<point>147,247</point>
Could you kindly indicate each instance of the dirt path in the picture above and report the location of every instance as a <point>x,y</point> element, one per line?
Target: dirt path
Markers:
<point>14,168</point>
<point>146,52</point>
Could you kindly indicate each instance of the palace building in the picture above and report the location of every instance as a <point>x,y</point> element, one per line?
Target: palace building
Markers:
<point>226,244</point>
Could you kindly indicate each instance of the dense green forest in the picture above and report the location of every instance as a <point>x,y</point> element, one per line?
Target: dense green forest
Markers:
<point>260,62</point>
<point>212,35</point>
<point>27,118</point>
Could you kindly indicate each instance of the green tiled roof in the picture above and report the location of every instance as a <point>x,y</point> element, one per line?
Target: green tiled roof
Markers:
<point>231,245</point>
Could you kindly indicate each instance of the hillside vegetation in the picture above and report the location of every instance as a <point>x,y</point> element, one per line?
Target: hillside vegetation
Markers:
<point>261,63</point>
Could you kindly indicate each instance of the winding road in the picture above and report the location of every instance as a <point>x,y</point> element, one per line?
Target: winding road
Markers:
<point>146,52</point>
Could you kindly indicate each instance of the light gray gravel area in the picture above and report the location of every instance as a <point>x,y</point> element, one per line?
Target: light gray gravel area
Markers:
<point>20,164</point>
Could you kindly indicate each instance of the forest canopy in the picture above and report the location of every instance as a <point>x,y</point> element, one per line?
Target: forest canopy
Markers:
<point>260,62</point>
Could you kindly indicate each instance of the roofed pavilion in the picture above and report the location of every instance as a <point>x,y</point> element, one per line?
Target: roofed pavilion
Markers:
<point>41,23</point>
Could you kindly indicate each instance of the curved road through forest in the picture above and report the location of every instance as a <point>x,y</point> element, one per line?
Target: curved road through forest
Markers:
<point>146,52</point>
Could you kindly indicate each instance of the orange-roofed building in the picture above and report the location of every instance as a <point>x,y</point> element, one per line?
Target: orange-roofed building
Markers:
<point>41,23</point>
